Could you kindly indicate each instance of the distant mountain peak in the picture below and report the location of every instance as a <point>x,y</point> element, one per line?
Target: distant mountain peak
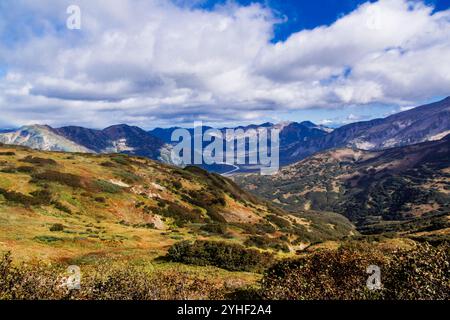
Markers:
<point>41,137</point>
<point>37,127</point>
<point>308,124</point>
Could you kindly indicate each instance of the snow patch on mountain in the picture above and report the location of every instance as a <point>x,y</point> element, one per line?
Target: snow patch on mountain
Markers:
<point>439,136</point>
<point>119,146</point>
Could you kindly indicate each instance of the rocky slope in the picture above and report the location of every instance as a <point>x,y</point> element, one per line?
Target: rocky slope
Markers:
<point>41,138</point>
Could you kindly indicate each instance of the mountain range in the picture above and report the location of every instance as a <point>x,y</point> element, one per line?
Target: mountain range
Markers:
<point>297,140</point>
<point>115,139</point>
<point>424,123</point>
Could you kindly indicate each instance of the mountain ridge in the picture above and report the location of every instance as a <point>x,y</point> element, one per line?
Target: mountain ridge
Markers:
<point>298,140</point>
<point>420,124</point>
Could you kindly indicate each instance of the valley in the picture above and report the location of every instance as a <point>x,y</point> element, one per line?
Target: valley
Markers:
<point>62,206</point>
<point>404,189</point>
<point>111,203</point>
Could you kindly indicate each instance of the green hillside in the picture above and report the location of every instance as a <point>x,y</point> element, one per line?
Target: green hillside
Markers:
<point>68,206</point>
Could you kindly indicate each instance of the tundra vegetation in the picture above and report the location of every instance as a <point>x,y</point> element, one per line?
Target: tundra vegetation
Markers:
<point>139,229</point>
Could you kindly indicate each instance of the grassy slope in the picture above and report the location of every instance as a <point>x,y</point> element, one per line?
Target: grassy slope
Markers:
<point>114,207</point>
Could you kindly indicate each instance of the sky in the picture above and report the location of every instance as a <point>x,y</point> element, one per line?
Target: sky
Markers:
<point>172,62</point>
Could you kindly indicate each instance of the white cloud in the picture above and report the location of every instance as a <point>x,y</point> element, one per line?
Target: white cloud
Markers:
<point>152,62</point>
<point>325,122</point>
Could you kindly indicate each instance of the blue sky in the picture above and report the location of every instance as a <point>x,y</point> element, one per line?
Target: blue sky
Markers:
<point>305,14</point>
<point>298,15</point>
<point>163,63</point>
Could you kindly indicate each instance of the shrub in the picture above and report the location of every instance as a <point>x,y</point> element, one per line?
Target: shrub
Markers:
<point>39,161</point>
<point>108,164</point>
<point>215,215</point>
<point>177,184</point>
<point>267,243</point>
<point>107,187</point>
<point>280,222</point>
<point>121,159</point>
<point>181,215</point>
<point>7,153</point>
<point>67,179</point>
<point>145,225</point>
<point>127,177</point>
<point>36,198</point>
<point>265,228</point>
<point>58,205</point>
<point>8,170</point>
<point>25,169</point>
<point>100,199</point>
<point>420,273</point>
<point>215,228</point>
<point>120,281</point>
<point>232,257</point>
<point>47,239</point>
<point>57,227</point>
<point>42,197</point>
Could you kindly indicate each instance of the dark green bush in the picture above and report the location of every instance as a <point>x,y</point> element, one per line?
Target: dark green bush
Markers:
<point>215,228</point>
<point>25,169</point>
<point>108,164</point>
<point>67,179</point>
<point>57,227</point>
<point>180,214</point>
<point>47,239</point>
<point>266,243</point>
<point>100,199</point>
<point>215,215</point>
<point>8,170</point>
<point>42,197</point>
<point>39,161</point>
<point>58,205</point>
<point>265,228</point>
<point>36,198</point>
<point>228,256</point>
<point>280,222</point>
<point>177,184</point>
<point>18,197</point>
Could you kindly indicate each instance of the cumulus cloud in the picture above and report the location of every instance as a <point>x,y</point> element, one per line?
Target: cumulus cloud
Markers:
<point>159,62</point>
